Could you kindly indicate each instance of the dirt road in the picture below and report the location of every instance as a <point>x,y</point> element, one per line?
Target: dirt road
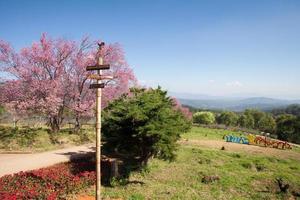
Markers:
<point>234,147</point>
<point>13,163</point>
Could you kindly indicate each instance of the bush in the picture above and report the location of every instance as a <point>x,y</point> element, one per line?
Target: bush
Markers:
<point>142,125</point>
<point>204,117</point>
<point>50,183</point>
<point>227,118</point>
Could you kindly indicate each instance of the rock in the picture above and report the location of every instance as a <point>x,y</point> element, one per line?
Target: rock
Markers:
<point>209,179</point>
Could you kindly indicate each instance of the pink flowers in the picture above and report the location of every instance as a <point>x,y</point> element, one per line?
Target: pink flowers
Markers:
<point>50,77</point>
<point>48,183</point>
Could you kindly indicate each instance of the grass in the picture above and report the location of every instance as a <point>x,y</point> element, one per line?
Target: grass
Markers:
<point>40,139</point>
<point>241,177</point>
<point>202,133</point>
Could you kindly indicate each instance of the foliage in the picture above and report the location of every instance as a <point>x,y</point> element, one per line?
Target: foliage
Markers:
<point>256,114</point>
<point>144,124</point>
<point>227,118</point>
<point>267,124</point>
<point>204,117</point>
<point>246,121</point>
<point>41,139</point>
<point>288,128</point>
<point>50,76</point>
<point>50,183</point>
<point>293,109</point>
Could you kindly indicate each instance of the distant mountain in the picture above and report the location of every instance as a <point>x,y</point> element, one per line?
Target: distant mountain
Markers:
<point>261,103</point>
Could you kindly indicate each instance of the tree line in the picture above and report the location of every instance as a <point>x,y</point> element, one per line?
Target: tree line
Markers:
<point>283,122</point>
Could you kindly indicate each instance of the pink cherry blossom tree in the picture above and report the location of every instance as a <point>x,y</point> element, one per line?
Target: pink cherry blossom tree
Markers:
<point>49,78</point>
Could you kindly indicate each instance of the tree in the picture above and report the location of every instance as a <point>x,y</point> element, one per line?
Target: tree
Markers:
<point>293,109</point>
<point>204,117</point>
<point>50,77</point>
<point>227,118</point>
<point>285,126</point>
<point>246,121</point>
<point>267,124</point>
<point>143,124</point>
<point>256,114</point>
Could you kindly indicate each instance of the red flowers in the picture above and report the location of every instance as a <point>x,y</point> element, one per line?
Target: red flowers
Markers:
<point>49,183</point>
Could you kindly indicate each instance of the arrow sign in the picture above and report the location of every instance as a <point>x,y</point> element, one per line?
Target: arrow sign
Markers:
<point>99,77</point>
<point>97,67</point>
<point>96,85</point>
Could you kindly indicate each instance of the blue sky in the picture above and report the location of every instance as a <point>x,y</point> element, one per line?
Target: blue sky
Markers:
<point>219,48</point>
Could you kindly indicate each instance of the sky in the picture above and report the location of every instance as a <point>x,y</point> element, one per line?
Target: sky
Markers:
<point>235,48</point>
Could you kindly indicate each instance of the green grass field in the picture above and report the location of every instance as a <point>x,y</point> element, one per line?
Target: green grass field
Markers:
<point>25,139</point>
<point>242,175</point>
<point>201,133</point>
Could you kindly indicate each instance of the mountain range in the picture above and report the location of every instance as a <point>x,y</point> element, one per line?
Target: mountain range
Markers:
<point>234,104</point>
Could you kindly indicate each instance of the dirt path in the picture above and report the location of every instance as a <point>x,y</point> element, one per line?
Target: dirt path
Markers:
<point>234,147</point>
<point>13,163</point>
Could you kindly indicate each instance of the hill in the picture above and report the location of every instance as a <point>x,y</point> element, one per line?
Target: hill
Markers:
<point>262,103</point>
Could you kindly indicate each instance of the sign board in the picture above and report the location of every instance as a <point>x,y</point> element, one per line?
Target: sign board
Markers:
<point>97,85</point>
<point>97,67</point>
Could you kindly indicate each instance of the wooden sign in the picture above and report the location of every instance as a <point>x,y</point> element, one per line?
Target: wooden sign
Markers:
<point>97,85</point>
<point>99,77</point>
<point>98,67</point>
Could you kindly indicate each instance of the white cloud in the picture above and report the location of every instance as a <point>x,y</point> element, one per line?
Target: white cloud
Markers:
<point>211,81</point>
<point>234,84</point>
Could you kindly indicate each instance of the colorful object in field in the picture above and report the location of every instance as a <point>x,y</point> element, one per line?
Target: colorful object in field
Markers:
<point>251,138</point>
<point>261,140</point>
<point>236,139</point>
<point>258,140</point>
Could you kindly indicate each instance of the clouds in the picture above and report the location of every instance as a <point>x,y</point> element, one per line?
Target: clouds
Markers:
<point>234,84</point>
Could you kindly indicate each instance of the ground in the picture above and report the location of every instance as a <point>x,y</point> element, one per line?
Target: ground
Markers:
<point>13,163</point>
<point>245,172</point>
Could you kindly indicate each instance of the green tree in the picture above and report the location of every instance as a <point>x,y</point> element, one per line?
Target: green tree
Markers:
<point>286,126</point>
<point>256,114</point>
<point>267,123</point>
<point>246,121</point>
<point>142,125</point>
<point>293,109</point>
<point>227,118</point>
<point>204,117</point>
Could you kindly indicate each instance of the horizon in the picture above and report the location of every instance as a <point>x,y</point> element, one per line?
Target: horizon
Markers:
<point>199,96</point>
<point>216,48</point>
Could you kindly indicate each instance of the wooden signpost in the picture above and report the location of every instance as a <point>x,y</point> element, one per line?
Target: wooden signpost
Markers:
<point>98,86</point>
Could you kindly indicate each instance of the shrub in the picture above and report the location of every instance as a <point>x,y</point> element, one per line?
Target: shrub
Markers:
<point>204,117</point>
<point>54,182</point>
<point>142,125</point>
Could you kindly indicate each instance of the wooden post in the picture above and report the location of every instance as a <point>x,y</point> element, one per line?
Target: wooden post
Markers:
<point>98,134</point>
<point>99,85</point>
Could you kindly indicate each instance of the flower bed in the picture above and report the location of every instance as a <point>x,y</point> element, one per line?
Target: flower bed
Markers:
<point>55,182</point>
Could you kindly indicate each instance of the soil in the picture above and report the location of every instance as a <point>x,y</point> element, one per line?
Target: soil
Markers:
<point>234,147</point>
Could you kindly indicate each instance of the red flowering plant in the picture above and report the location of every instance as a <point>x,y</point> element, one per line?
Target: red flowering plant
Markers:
<point>55,182</point>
